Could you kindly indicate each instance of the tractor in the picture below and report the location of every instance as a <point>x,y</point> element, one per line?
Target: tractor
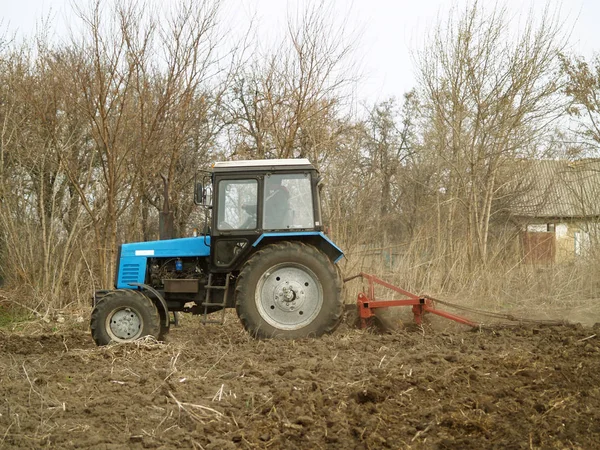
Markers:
<point>263,251</point>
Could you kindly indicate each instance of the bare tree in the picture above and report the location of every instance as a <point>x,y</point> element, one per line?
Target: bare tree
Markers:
<point>286,102</point>
<point>390,144</point>
<point>583,89</point>
<point>40,217</point>
<point>173,104</point>
<point>490,95</point>
<point>145,117</point>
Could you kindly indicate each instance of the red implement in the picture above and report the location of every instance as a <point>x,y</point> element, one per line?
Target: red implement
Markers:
<point>367,303</point>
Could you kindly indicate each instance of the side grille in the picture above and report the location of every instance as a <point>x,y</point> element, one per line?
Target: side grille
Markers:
<point>130,273</point>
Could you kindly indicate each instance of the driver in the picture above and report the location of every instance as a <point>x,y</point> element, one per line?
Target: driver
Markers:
<point>276,203</point>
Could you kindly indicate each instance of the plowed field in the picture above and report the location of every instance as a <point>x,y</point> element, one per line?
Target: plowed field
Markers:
<point>215,388</point>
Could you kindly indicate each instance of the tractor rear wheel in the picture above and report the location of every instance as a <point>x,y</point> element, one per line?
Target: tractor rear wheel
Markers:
<point>123,316</point>
<point>289,290</point>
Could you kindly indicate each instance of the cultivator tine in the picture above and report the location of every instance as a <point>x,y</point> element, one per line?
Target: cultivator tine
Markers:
<point>367,303</point>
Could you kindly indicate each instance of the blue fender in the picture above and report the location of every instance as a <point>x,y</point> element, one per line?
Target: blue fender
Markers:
<point>316,238</point>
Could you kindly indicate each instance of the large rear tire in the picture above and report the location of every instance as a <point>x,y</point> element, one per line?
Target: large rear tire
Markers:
<point>124,315</point>
<point>289,290</point>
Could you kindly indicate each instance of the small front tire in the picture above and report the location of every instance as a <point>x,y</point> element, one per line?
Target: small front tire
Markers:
<point>123,316</point>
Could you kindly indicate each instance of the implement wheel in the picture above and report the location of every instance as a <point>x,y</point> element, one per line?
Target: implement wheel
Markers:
<point>123,316</point>
<point>289,290</point>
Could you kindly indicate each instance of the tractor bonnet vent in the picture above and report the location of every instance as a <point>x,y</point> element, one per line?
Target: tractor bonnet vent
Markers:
<point>130,273</point>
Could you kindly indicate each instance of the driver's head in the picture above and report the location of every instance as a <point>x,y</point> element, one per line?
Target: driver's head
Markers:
<point>273,182</point>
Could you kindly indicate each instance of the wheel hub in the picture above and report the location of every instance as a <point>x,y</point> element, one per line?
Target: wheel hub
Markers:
<point>289,296</point>
<point>125,324</point>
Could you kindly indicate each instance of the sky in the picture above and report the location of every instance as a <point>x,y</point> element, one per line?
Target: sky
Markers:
<point>388,30</point>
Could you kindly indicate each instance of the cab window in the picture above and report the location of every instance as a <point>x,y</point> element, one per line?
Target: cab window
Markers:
<point>288,202</point>
<point>237,205</point>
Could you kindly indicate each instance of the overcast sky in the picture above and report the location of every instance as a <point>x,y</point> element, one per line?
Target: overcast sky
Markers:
<point>389,29</point>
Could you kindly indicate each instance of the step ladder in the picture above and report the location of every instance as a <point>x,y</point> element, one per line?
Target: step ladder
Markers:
<point>210,288</point>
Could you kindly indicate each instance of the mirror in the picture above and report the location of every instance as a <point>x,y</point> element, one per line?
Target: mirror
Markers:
<point>199,194</point>
<point>203,189</point>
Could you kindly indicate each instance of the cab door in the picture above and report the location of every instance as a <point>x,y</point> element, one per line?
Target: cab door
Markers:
<point>235,220</point>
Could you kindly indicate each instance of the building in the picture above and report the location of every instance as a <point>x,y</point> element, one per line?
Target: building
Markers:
<point>558,211</point>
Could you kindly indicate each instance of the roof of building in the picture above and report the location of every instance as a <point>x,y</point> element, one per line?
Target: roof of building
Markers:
<point>561,189</point>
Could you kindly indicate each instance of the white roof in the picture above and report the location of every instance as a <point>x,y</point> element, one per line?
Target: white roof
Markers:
<point>262,162</point>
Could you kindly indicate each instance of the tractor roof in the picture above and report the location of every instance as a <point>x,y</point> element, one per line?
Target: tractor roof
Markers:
<point>266,165</point>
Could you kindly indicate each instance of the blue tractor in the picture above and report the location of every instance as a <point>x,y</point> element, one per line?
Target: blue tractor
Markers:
<point>264,252</point>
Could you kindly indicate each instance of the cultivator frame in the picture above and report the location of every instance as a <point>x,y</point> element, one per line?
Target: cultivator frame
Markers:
<point>367,303</point>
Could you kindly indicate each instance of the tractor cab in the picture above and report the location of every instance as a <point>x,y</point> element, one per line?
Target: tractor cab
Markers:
<point>256,200</point>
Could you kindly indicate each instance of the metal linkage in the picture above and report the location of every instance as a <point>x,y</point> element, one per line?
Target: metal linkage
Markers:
<point>367,303</point>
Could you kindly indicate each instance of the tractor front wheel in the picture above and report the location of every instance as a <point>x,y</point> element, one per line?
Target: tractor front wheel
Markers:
<point>289,290</point>
<point>123,316</point>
